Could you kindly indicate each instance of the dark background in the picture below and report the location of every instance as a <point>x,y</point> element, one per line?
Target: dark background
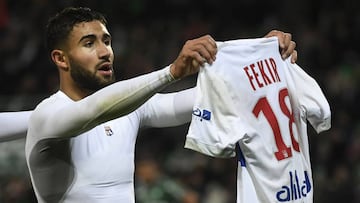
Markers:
<point>147,35</point>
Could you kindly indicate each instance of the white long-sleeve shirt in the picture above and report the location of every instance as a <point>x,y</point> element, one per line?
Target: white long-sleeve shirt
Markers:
<point>83,151</point>
<point>13,125</point>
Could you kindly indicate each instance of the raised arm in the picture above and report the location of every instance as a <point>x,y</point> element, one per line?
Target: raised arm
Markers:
<point>167,110</point>
<point>13,125</point>
<point>65,120</point>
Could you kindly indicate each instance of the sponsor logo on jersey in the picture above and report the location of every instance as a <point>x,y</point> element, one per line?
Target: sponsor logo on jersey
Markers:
<point>297,189</point>
<point>108,131</point>
<point>202,114</point>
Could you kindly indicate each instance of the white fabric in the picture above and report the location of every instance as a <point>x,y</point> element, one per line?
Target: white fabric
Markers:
<point>83,151</point>
<point>251,97</point>
<point>13,125</point>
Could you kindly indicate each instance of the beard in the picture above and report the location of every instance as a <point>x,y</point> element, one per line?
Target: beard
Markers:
<point>89,80</point>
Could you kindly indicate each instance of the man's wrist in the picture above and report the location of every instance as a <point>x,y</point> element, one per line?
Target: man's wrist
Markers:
<point>171,74</point>
<point>172,67</point>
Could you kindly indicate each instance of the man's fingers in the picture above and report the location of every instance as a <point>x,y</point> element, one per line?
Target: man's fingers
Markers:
<point>285,43</point>
<point>287,46</point>
<point>283,37</point>
<point>288,50</point>
<point>294,56</point>
<point>195,53</point>
<point>210,48</point>
<point>203,49</point>
<point>198,59</point>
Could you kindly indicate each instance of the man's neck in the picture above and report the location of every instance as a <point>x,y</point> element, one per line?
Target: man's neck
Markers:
<point>75,93</point>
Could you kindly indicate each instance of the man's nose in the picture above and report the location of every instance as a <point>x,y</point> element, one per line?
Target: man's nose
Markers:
<point>104,51</point>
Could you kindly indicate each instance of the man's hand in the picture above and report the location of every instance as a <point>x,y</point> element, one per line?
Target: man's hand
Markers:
<point>287,46</point>
<point>194,54</point>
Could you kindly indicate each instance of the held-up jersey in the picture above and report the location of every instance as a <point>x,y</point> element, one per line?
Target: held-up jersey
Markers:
<point>252,99</point>
<point>83,151</point>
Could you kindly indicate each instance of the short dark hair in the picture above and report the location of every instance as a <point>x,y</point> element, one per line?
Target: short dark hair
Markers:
<point>60,25</point>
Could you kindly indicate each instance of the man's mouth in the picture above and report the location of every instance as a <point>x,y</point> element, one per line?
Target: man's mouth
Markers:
<point>106,69</point>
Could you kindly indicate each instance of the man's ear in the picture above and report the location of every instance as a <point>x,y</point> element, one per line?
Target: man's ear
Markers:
<point>59,58</point>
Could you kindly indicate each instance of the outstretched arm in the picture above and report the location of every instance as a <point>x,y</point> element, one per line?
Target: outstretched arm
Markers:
<point>52,120</point>
<point>170,109</point>
<point>13,125</point>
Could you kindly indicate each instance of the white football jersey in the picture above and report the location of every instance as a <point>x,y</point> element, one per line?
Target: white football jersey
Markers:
<point>252,98</point>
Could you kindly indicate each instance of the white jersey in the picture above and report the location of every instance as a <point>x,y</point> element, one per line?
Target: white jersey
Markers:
<point>252,99</point>
<point>83,151</point>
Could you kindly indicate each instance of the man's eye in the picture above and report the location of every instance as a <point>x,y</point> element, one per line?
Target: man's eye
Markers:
<point>107,42</point>
<point>88,44</point>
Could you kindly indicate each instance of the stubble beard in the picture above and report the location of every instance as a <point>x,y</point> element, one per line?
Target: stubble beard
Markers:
<point>88,80</point>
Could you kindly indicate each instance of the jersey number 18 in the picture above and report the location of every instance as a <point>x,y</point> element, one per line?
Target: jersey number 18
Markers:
<point>263,105</point>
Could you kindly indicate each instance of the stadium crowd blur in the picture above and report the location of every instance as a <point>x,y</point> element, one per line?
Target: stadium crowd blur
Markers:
<point>147,35</point>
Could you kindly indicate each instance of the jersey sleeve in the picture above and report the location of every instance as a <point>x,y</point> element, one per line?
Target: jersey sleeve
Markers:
<point>167,110</point>
<point>311,100</point>
<point>211,129</point>
<point>53,119</point>
<point>13,125</point>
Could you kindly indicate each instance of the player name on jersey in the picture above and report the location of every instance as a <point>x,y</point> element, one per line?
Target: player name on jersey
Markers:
<point>262,73</point>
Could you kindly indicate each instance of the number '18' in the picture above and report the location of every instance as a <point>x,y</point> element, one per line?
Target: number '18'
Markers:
<point>263,106</point>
